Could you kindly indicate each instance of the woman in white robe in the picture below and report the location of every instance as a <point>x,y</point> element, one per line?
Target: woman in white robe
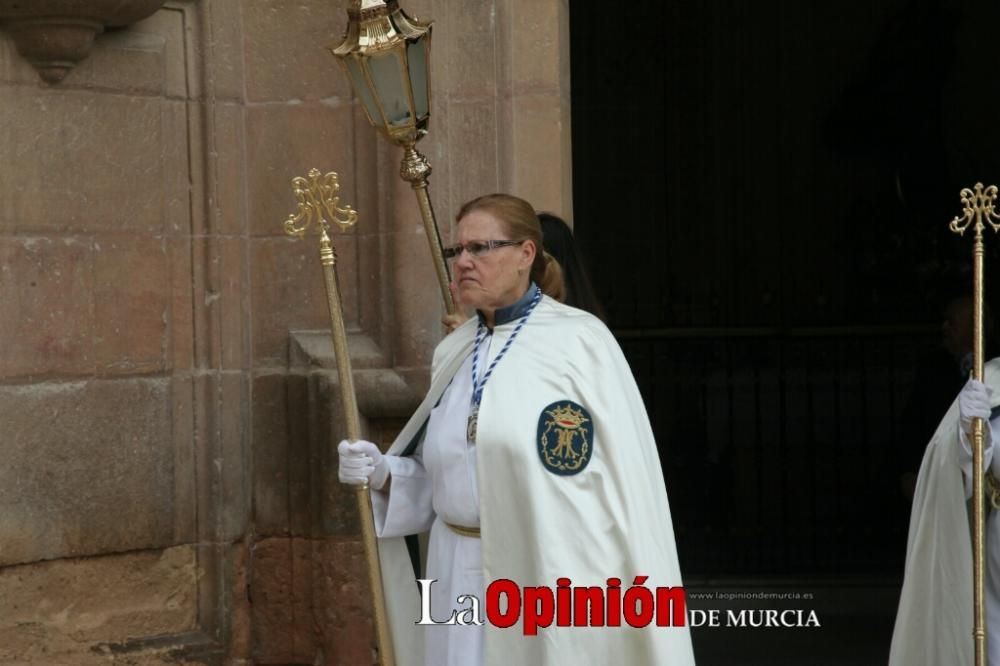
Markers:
<point>594,509</point>
<point>935,618</point>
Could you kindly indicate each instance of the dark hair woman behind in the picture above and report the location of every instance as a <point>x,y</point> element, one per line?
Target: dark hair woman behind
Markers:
<point>558,241</point>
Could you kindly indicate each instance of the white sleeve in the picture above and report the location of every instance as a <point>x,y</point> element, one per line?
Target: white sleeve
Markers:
<point>406,508</point>
<point>990,461</point>
<point>965,454</point>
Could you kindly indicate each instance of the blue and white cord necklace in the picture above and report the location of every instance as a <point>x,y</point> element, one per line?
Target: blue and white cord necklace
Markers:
<point>478,384</point>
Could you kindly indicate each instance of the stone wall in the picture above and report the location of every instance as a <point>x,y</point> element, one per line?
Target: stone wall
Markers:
<point>167,410</point>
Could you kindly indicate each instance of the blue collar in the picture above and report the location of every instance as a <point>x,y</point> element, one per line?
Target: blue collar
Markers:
<point>507,314</point>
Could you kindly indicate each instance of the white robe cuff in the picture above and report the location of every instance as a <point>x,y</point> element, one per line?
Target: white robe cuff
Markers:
<point>406,508</point>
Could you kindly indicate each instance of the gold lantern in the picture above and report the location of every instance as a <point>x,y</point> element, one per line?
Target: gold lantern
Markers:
<point>387,57</point>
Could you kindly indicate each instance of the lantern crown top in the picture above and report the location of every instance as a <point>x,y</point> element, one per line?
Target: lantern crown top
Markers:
<point>377,25</point>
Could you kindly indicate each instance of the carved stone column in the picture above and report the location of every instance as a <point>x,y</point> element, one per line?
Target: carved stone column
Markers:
<point>55,35</point>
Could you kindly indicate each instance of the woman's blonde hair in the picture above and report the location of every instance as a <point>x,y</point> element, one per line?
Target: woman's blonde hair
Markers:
<point>520,222</point>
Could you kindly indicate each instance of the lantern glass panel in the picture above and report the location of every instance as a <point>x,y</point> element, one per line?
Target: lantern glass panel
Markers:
<point>360,84</point>
<point>386,74</point>
<point>416,54</point>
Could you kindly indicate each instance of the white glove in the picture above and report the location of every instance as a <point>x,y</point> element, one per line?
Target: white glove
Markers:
<point>974,401</point>
<point>361,461</point>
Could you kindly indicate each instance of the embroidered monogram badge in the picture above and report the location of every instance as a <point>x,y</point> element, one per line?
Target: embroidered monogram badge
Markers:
<point>565,437</point>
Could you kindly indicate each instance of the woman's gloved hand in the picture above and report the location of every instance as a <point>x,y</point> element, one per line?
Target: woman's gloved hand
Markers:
<point>362,461</point>
<point>973,402</point>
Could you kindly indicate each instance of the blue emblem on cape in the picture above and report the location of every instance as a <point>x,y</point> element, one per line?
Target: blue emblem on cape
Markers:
<point>565,437</point>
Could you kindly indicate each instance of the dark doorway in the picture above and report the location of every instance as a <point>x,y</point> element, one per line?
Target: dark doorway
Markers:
<point>762,191</point>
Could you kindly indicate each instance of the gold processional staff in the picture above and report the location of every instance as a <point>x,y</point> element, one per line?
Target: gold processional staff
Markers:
<point>978,209</point>
<point>318,202</point>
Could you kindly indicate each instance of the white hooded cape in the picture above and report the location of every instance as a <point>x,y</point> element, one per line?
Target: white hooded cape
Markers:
<point>612,519</point>
<point>934,620</point>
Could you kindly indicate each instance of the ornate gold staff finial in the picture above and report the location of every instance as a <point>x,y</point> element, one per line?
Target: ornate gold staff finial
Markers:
<point>977,211</point>
<point>977,206</point>
<point>318,202</point>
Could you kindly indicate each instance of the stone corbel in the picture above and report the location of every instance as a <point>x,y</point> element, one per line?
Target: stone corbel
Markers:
<point>55,35</point>
<point>383,392</point>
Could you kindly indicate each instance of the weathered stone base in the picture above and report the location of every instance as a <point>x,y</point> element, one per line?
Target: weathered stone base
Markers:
<point>84,611</point>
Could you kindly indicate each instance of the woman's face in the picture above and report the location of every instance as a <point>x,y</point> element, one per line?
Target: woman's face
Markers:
<point>499,277</point>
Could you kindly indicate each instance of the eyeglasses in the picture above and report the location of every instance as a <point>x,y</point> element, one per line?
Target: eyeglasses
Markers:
<point>477,248</point>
